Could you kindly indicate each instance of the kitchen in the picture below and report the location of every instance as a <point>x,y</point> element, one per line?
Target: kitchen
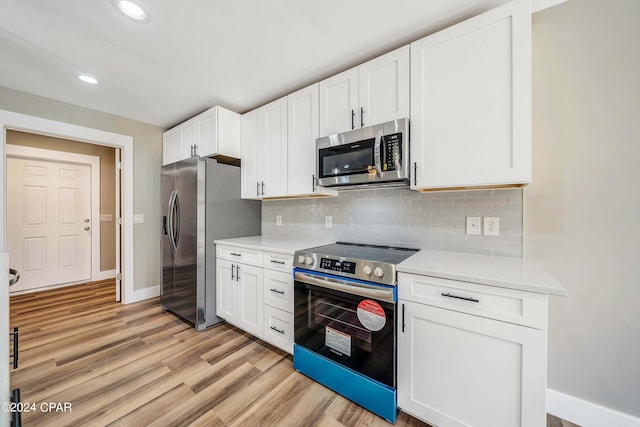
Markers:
<point>574,45</point>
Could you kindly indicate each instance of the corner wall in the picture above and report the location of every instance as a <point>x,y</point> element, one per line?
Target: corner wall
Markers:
<point>581,211</point>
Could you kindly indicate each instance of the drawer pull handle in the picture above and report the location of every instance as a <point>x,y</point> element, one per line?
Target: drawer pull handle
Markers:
<point>277,291</point>
<point>234,254</point>
<point>280,331</point>
<point>277,262</point>
<point>448,295</point>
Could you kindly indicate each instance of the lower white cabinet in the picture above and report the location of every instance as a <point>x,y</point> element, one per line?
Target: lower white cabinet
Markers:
<point>239,295</point>
<point>461,369</point>
<point>254,291</point>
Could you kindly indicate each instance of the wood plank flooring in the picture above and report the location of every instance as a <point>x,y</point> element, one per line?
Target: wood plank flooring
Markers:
<point>135,365</point>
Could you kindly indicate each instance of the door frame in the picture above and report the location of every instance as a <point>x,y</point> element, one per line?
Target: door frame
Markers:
<point>38,125</point>
<point>41,154</point>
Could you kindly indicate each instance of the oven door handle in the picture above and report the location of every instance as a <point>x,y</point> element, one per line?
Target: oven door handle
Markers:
<point>352,288</point>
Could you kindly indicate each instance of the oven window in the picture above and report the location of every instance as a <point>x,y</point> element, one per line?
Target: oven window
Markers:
<point>340,316</point>
<point>346,159</point>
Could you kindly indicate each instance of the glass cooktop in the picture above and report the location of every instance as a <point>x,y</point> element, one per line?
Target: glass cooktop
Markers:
<point>383,254</point>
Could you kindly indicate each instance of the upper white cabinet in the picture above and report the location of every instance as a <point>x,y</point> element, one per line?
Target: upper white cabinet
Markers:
<point>302,132</point>
<point>374,92</point>
<point>212,132</point>
<point>264,151</point>
<point>471,102</point>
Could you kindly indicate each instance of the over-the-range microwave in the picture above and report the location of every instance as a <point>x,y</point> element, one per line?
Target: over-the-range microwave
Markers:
<point>370,156</point>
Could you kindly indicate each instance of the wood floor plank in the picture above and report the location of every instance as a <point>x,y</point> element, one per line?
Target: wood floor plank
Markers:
<point>136,365</point>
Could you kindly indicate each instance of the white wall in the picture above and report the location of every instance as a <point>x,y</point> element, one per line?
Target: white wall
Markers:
<point>581,211</point>
<point>147,148</point>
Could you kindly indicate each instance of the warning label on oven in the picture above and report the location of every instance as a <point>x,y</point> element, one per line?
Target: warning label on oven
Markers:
<point>371,315</point>
<point>338,341</point>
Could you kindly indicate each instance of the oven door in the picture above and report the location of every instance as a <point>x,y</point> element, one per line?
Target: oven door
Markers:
<point>349,322</point>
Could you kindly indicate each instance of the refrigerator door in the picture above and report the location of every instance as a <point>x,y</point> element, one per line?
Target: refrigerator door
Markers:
<point>167,277</point>
<point>185,219</point>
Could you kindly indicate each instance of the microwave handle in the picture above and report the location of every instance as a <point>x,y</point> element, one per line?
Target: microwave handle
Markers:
<point>378,152</point>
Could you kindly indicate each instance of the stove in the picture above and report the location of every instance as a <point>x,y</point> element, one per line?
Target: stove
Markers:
<point>345,309</point>
<point>376,264</point>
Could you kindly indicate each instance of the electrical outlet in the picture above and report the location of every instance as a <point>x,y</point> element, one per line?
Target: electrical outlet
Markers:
<point>138,218</point>
<point>328,221</point>
<point>473,225</point>
<point>278,220</point>
<point>491,226</point>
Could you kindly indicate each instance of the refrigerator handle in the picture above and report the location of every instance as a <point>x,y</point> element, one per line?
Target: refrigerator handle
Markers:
<point>176,204</point>
<point>170,220</point>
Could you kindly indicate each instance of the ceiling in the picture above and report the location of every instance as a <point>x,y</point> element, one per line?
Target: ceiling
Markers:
<point>236,53</point>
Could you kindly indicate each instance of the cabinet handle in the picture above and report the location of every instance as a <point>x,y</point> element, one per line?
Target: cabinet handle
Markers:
<point>403,324</point>
<point>280,331</point>
<point>277,291</point>
<point>234,254</point>
<point>237,273</point>
<point>415,173</point>
<point>277,262</point>
<point>361,116</point>
<point>257,189</point>
<point>313,183</point>
<point>448,295</point>
<point>191,150</point>
<point>232,277</point>
<point>353,119</point>
<point>262,189</point>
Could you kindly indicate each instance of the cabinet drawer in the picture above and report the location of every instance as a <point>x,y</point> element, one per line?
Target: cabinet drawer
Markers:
<point>280,262</point>
<point>242,255</point>
<point>278,328</point>
<point>518,307</point>
<point>278,290</point>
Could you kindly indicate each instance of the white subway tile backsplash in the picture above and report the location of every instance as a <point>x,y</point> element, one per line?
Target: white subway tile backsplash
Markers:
<point>400,217</point>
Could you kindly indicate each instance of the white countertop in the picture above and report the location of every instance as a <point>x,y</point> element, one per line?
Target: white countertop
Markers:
<point>273,244</point>
<point>505,272</point>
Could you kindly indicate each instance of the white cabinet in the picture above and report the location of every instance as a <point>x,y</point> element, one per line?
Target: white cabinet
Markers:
<point>239,298</point>
<point>456,368</point>
<point>471,102</point>
<point>264,151</point>
<point>374,92</point>
<point>254,291</point>
<point>215,132</point>
<point>302,132</point>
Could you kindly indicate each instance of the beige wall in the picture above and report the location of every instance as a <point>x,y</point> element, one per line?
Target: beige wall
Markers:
<point>147,152</point>
<point>107,183</point>
<point>581,213</point>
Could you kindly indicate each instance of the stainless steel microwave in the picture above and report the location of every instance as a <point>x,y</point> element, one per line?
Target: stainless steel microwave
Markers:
<point>374,155</point>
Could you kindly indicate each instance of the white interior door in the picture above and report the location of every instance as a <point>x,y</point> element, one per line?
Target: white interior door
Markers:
<point>48,222</point>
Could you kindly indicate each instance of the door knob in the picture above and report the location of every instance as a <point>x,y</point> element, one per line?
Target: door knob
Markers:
<point>87,220</point>
<point>86,229</point>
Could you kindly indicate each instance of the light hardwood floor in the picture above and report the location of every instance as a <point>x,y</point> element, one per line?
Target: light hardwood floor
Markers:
<point>135,365</point>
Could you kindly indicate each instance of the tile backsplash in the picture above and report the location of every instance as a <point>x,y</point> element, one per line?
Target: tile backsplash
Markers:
<point>401,217</point>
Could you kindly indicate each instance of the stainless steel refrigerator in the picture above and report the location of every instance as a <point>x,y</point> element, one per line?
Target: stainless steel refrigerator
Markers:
<point>200,203</point>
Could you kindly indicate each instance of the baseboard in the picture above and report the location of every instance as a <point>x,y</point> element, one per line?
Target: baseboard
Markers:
<point>104,275</point>
<point>47,288</point>
<point>142,294</point>
<point>586,414</point>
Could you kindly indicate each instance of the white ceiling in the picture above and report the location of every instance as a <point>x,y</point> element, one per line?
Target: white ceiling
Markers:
<point>236,53</point>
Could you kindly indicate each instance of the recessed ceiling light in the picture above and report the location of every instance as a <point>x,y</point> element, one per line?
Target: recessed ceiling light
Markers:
<point>131,10</point>
<point>88,79</point>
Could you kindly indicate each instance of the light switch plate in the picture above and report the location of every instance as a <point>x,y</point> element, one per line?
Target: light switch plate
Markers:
<point>473,225</point>
<point>106,217</point>
<point>328,221</point>
<point>138,218</point>
<point>278,220</point>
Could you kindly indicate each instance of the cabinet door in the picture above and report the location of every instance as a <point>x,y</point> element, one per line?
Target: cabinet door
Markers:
<point>274,148</point>
<point>384,88</point>
<point>228,133</point>
<point>250,164</point>
<point>471,101</point>
<point>302,109</point>
<point>455,369</point>
<point>339,103</point>
<point>249,299</point>
<point>189,130</point>
<point>171,146</point>
<point>207,124</point>
<point>225,286</point>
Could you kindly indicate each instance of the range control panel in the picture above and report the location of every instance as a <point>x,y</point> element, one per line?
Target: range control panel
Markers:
<point>338,265</point>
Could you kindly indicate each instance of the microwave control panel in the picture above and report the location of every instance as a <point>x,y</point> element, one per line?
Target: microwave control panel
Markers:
<point>392,152</point>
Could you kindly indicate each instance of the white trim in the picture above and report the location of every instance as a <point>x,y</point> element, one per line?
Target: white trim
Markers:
<point>104,275</point>
<point>585,413</point>
<point>48,288</point>
<point>538,5</point>
<point>19,151</point>
<point>23,122</point>
<point>143,294</point>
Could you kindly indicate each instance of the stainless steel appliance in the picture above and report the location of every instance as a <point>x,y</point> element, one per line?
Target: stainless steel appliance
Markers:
<point>345,321</point>
<point>200,203</point>
<point>375,155</point>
